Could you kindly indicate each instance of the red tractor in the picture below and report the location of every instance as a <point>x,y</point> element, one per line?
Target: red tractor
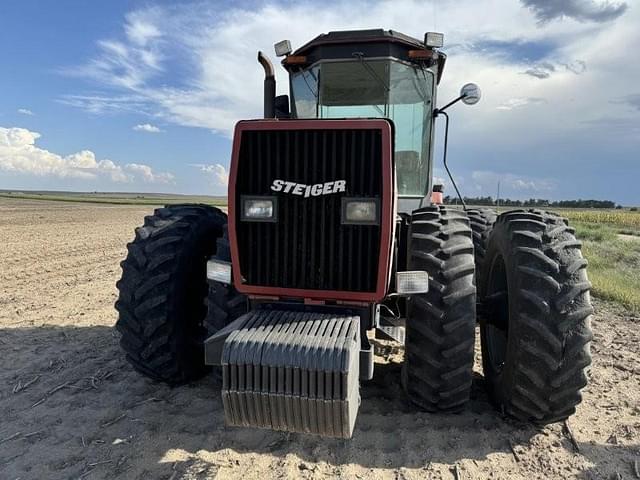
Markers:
<point>332,233</point>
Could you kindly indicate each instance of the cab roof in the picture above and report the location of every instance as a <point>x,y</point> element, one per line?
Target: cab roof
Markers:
<point>360,36</point>
<point>374,43</point>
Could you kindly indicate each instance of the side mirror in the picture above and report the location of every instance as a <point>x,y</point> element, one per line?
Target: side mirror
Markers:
<point>470,94</point>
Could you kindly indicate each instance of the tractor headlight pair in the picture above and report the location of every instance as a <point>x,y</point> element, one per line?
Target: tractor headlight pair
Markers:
<point>259,209</point>
<point>357,211</point>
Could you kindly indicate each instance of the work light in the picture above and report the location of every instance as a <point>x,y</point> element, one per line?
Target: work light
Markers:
<point>434,39</point>
<point>360,211</point>
<point>259,209</point>
<point>282,48</point>
<point>408,283</point>
<point>219,271</point>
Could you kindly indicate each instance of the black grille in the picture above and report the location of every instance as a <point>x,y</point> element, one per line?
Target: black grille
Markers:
<point>308,247</point>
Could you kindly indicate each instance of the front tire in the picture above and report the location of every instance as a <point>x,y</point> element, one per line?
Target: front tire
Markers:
<point>440,324</point>
<point>535,326</point>
<point>162,292</point>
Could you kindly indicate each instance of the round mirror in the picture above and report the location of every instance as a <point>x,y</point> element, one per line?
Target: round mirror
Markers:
<point>470,94</point>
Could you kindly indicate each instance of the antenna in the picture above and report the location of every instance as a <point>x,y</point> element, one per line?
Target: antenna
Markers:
<point>498,196</point>
<point>435,19</point>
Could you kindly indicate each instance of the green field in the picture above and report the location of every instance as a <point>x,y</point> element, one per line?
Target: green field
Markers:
<point>612,246</point>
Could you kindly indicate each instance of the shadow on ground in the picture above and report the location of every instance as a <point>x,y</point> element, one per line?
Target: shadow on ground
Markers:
<point>73,407</point>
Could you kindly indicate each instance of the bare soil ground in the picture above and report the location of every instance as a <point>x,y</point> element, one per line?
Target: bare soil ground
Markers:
<point>71,407</point>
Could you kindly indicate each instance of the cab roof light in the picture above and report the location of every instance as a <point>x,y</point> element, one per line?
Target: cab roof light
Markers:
<point>282,48</point>
<point>434,39</point>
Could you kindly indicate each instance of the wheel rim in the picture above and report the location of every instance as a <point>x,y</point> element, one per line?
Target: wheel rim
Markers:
<point>497,315</point>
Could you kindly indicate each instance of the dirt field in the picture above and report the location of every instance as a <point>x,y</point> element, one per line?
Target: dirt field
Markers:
<point>70,407</point>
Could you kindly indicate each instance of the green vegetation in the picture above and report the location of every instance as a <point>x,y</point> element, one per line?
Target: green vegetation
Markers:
<point>614,261</point>
<point>611,244</point>
<point>116,198</point>
<point>594,232</point>
<point>622,221</point>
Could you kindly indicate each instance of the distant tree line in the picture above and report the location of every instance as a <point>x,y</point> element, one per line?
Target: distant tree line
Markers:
<point>533,202</point>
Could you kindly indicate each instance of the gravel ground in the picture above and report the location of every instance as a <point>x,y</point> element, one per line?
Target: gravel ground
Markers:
<point>71,407</point>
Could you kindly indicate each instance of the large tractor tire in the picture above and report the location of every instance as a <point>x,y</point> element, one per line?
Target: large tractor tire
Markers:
<point>163,289</point>
<point>535,325</point>
<point>481,220</point>
<point>440,324</point>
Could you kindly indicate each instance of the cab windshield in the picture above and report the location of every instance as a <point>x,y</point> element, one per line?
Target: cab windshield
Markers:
<point>375,88</point>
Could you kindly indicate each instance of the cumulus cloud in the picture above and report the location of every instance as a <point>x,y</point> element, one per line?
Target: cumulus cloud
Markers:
<point>25,111</point>
<point>147,127</point>
<point>20,154</point>
<point>148,175</point>
<point>580,10</point>
<point>218,172</point>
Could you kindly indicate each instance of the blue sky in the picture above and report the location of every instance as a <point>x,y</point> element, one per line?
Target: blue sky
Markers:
<point>142,96</point>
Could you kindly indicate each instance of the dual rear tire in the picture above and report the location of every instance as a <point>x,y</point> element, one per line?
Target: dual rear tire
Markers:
<point>535,317</point>
<point>534,312</point>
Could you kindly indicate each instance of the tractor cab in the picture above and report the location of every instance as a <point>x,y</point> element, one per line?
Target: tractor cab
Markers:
<point>372,74</point>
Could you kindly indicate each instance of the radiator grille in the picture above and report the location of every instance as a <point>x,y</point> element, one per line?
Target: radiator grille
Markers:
<point>308,247</point>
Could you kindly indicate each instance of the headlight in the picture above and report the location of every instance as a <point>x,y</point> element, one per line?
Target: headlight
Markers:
<point>363,211</point>
<point>259,209</point>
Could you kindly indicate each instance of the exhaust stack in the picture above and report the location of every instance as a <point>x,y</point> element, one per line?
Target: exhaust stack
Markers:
<point>269,86</point>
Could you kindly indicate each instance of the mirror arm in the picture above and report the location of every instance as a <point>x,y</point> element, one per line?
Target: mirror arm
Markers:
<point>446,166</point>
<point>437,111</point>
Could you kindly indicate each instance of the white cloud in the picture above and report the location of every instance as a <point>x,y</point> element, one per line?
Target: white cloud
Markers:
<point>146,127</point>
<point>216,49</point>
<point>520,102</point>
<point>194,64</point>
<point>139,30</point>
<point>218,172</point>
<point>487,182</point>
<point>25,111</point>
<point>20,154</point>
<point>148,175</point>
<point>103,104</point>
